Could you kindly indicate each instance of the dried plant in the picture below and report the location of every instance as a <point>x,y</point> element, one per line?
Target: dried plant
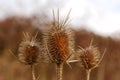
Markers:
<point>59,43</point>
<point>90,58</point>
<point>29,52</point>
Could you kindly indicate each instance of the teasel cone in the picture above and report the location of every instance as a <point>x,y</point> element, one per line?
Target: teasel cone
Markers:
<point>90,58</point>
<point>29,52</point>
<point>59,43</point>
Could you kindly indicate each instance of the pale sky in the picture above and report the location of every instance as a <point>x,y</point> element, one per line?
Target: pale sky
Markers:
<point>101,16</point>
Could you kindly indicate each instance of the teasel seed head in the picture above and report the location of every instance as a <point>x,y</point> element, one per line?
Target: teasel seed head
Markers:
<point>59,41</point>
<point>90,57</point>
<point>29,50</point>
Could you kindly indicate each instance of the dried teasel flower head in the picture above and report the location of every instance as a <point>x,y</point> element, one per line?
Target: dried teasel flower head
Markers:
<point>29,50</point>
<point>59,41</point>
<point>90,57</point>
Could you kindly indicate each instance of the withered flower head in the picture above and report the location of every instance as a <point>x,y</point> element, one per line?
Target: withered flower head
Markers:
<point>59,41</point>
<point>29,50</point>
<point>90,57</point>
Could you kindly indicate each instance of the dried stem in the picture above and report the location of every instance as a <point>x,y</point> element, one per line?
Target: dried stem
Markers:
<point>59,71</point>
<point>88,74</point>
<point>33,72</point>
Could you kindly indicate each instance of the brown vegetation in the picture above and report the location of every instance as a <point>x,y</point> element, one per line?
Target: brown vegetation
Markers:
<point>10,69</point>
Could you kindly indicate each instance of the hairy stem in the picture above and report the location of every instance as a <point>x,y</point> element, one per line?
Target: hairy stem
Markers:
<point>88,74</point>
<point>33,72</point>
<point>59,71</point>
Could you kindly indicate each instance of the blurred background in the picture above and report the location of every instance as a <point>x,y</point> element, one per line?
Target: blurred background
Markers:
<point>97,19</point>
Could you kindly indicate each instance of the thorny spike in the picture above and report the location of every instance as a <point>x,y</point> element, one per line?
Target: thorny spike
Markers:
<point>71,61</point>
<point>54,20</point>
<point>101,57</point>
<point>11,52</point>
<point>81,48</point>
<point>34,38</point>
<point>50,57</point>
<point>69,65</point>
<point>67,18</point>
<point>26,36</point>
<point>58,18</point>
<point>91,42</point>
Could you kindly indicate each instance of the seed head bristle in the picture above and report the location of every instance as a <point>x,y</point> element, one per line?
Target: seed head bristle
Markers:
<point>90,57</point>
<point>59,41</point>
<point>26,36</point>
<point>29,50</point>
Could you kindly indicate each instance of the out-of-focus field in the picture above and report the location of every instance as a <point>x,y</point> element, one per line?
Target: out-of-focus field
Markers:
<point>10,69</point>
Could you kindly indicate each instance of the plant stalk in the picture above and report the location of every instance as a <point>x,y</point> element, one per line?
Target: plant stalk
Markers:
<point>59,71</point>
<point>88,74</point>
<point>33,72</point>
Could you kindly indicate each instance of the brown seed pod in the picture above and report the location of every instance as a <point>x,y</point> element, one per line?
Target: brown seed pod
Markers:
<point>59,44</point>
<point>29,50</point>
<point>90,57</point>
<point>59,41</point>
